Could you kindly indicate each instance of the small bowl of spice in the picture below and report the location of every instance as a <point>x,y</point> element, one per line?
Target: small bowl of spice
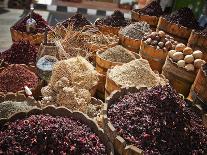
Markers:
<point>36,36</point>
<point>155,47</point>
<point>14,78</point>
<point>149,14</point>
<point>112,24</point>
<point>181,67</point>
<point>20,53</point>
<point>52,131</point>
<point>130,36</point>
<point>179,24</point>
<point>153,121</point>
<point>12,103</point>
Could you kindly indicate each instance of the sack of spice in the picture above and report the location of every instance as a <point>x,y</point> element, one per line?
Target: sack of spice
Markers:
<point>130,36</point>
<point>135,73</point>
<point>112,24</point>
<point>20,53</point>
<point>149,14</point>
<point>156,121</point>
<point>179,24</point>
<point>14,78</point>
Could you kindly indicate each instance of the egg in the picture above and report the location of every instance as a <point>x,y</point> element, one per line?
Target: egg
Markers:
<point>197,54</point>
<point>181,63</point>
<point>189,67</point>
<point>198,63</point>
<point>189,59</point>
<point>187,51</point>
<point>177,56</point>
<point>171,52</point>
<point>180,47</point>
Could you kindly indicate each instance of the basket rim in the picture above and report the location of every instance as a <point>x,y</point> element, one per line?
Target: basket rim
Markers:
<point>55,111</point>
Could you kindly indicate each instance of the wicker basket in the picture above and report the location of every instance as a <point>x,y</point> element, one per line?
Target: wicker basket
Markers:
<point>180,79</point>
<point>151,20</point>
<point>178,32</point>
<point>64,112</point>
<point>198,42</point>
<point>36,91</point>
<point>120,145</point>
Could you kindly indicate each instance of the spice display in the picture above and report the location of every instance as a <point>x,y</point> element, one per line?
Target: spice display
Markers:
<point>184,17</point>
<point>135,73</point>
<point>186,58</point>
<point>152,9</point>
<point>160,40</point>
<point>136,30</point>
<point>76,21</point>
<point>40,26</point>
<point>155,121</point>
<point>115,20</point>
<point>8,108</point>
<point>44,134</point>
<point>14,77</point>
<point>70,84</point>
<point>20,53</point>
<point>118,54</point>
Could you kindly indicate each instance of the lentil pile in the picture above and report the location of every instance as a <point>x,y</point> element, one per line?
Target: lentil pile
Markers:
<point>8,108</point>
<point>44,134</point>
<point>136,30</point>
<point>20,53</point>
<point>135,73</point>
<point>154,120</point>
<point>152,9</point>
<point>184,17</point>
<point>186,58</point>
<point>160,40</point>
<point>76,21</point>
<point>70,84</point>
<point>14,77</point>
<point>118,54</point>
<point>115,20</point>
<point>40,26</point>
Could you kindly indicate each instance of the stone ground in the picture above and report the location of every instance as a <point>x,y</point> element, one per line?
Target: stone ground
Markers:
<point>7,18</point>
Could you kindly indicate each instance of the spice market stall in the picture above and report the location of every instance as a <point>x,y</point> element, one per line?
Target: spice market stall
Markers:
<point>116,86</point>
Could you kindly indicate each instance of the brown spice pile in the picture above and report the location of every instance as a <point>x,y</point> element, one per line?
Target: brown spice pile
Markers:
<point>14,77</point>
<point>136,73</point>
<point>118,54</point>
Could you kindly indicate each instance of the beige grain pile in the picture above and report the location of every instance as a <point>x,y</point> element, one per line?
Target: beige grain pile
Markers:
<point>118,54</point>
<point>77,70</point>
<point>136,73</point>
<point>70,85</point>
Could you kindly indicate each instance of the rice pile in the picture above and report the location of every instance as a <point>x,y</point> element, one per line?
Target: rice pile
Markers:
<point>136,73</point>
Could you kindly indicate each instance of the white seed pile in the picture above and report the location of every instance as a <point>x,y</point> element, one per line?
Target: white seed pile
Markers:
<point>136,30</point>
<point>118,54</point>
<point>8,108</point>
<point>136,73</point>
